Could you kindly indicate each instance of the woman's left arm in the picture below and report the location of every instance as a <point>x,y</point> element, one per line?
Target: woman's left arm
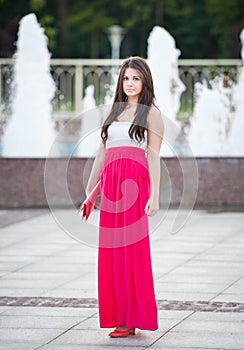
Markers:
<point>155,134</point>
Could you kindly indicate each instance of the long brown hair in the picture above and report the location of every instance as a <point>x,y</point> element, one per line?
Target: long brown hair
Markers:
<point>145,101</point>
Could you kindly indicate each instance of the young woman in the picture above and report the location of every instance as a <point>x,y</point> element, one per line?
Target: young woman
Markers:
<point>128,165</point>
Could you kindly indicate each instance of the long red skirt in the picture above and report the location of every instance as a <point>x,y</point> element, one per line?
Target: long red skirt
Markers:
<point>125,282</point>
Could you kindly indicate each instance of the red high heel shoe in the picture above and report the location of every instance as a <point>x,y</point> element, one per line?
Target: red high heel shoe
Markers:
<point>122,334</point>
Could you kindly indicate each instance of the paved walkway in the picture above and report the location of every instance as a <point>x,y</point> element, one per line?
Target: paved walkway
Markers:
<point>48,290</point>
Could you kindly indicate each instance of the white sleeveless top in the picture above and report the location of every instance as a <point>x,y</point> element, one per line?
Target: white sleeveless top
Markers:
<point>118,136</point>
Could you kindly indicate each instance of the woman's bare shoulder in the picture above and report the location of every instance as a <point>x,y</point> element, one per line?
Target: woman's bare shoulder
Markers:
<point>155,117</point>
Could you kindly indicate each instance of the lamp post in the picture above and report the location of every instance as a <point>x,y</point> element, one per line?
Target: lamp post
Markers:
<point>115,35</point>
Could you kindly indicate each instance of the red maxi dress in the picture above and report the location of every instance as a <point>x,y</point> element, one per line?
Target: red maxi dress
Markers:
<point>125,282</point>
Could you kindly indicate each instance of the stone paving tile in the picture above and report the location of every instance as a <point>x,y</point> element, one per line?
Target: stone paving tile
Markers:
<point>227,258</point>
<point>50,311</point>
<point>28,284</point>
<point>201,261</point>
<point>239,298</point>
<point>173,314</point>
<point>33,276</point>
<point>15,251</point>
<point>203,340</point>
<point>179,347</point>
<point>12,265</point>
<point>39,322</point>
<point>19,346</point>
<point>90,347</point>
<point>93,323</point>
<point>12,216</point>
<point>218,317</point>
<point>176,276</point>
<point>60,259</point>
<point>21,292</point>
<point>31,336</point>
<point>78,251</point>
<point>209,271</point>
<point>49,241</point>
<point>237,286</point>
<point>81,283</point>
<point>74,293</point>
<point>184,296</point>
<point>190,325</point>
<point>4,273</point>
<point>4,309</point>
<point>62,267</point>
<point>183,348</point>
<point>89,323</point>
<point>5,242</point>
<point>17,259</point>
<point>189,287</point>
<point>100,338</point>
<point>183,247</point>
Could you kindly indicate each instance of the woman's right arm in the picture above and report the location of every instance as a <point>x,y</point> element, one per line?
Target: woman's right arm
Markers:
<point>96,169</point>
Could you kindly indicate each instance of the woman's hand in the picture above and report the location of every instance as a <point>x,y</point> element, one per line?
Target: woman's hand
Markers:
<point>152,206</point>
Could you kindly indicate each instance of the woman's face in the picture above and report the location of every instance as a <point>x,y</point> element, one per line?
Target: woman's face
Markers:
<point>132,83</point>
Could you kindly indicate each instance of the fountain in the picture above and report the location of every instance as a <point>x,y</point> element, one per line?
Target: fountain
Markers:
<point>236,138</point>
<point>29,132</point>
<point>90,125</point>
<point>163,62</point>
<point>210,120</point>
<point>217,124</point>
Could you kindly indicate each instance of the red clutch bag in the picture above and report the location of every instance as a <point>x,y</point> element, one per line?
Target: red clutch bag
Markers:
<point>87,206</point>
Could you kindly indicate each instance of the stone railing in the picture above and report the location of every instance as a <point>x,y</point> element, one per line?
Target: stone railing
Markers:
<point>72,76</point>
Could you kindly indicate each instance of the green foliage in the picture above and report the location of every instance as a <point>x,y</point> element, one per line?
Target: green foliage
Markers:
<point>47,22</point>
<point>227,18</point>
<point>86,24</point>
<point>202,29</point>
<point>137,14</point>
<point>37,5</point>
<point>188,23</point>
<point>87,21</point>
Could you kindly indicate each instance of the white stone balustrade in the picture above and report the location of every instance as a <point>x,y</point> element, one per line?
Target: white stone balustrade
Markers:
<point>72,76</point>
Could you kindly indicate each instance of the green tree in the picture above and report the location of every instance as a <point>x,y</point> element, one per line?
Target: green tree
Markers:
<point>227,19</point>
<point>202,29</point>
<point>10,14</point>
<point>189,24</point>
<point>138,19</point>
<point>87,23</point>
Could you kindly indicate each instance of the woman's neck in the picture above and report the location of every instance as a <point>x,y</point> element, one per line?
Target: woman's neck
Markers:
<point>128,115</point>
<point>132,101</point>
